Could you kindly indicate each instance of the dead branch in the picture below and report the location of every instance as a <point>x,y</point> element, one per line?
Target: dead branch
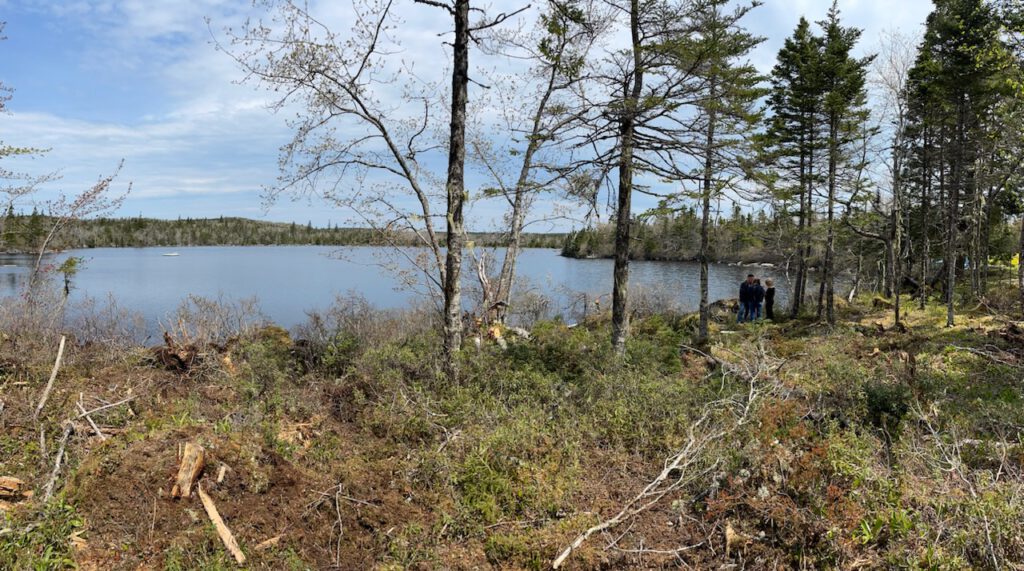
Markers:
<point>104,407</point>
<point>222,530</point>
<point>758,370</point>
<point>48,489</point>
<point>53,376</point>
<point>991,356</point>
<point>95,428</point>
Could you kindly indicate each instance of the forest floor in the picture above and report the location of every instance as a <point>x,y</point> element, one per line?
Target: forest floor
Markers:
<point>785,445</point>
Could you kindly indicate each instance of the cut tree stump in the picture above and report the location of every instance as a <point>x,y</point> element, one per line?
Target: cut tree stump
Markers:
<point>192,462</point>
<point>222,530</point>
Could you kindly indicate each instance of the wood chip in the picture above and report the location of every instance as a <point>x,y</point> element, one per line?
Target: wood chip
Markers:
<point>220,473</point>
<point>11,487</point>
<point>222,529</point>
<point>273,541</point>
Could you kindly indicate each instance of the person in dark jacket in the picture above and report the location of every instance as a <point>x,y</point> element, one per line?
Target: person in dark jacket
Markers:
<point>769,299</point>
<point>746,299</point>
<point>758,294</point>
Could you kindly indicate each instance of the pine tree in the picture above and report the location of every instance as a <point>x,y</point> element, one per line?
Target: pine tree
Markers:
<point>730,88</point>
<point>956,85</point>
<point>843,78</point>
<point>796,100</point>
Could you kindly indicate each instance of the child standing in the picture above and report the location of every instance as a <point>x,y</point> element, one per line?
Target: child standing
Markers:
<point>769,299</point>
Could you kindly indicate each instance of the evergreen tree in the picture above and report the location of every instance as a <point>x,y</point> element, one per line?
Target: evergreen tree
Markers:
<point>729,89</point>
<point>843,78</point>
<point>796,101</point>
<point>956,85</point>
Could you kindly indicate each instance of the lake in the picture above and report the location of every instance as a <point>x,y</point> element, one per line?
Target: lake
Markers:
<point>288,281</point>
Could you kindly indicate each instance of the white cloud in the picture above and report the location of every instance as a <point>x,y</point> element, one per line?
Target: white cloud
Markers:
<point>207,136</point>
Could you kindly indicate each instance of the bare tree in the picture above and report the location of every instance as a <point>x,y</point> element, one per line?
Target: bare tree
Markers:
<point>351,130</point>
<point>65,210</point>
<point>538,115</point>
<point>885,221</point>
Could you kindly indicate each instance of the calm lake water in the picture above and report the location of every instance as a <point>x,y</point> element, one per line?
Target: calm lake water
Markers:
<point>288,281</point>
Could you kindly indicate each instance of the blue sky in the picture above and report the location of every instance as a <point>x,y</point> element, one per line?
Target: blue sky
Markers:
<point>98,81</point>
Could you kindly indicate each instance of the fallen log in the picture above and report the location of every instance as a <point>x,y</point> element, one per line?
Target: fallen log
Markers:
<point>192,462</point>
<point>222,529</point>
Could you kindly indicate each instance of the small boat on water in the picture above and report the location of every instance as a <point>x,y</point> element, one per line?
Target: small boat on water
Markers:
<point>171,254</point>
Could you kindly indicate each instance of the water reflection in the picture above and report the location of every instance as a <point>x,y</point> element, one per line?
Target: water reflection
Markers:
<point>291,280</point>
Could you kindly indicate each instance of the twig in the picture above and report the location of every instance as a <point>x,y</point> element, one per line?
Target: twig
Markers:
<point>990,356</point>
<point>48,489</point>
<point>341,529</point>
<point>104,407</point>
<point>95,428</point>
<point>53,376</point>
<point>758,369</point>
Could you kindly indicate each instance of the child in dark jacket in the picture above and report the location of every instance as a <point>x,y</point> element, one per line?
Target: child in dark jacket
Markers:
<point>769,299</point>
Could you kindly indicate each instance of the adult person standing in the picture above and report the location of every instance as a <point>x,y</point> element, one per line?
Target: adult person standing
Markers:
<point>746,299</point>
<point>758,294</point>
<point>769,299</point>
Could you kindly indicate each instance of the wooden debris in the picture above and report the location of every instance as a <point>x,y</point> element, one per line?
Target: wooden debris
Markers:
<point>732,539</point>
<point>105,407</point>
<point>95,428</point>
<point>48,489</point>
<point>53,377</point>
<point>192,462</point>
<point>175,357</point>
<point>220,473</point>
<point>222,530</point>
<point>11,487</point>
<point>77,541</point>
<point>272,542</point>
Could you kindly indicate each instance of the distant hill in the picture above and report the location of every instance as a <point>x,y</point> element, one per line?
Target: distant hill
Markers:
<point>26,231</point>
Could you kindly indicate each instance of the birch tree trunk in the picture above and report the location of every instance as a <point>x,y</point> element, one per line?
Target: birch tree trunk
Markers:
<point>456,191</point>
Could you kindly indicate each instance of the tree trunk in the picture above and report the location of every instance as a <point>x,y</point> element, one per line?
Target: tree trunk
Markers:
<point>520,204</point>
<point>926,185</point>
<point>709,153</point>
<point>808,215</point>
<point>798,287</point>
<point>623,221</point>
<point>830,244</point>
<point>620,290</point>
<point>1020,266</point>
<point>456,192</point>
<point>951,223</point>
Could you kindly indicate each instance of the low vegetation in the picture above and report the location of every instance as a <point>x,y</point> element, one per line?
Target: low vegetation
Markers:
<point>342,444</point>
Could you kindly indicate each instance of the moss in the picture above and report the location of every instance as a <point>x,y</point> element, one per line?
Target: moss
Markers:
<point>40,540</point>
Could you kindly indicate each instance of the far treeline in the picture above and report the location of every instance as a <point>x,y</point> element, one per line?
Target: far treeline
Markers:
<point>755,237</point>
<point>26,232</point>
